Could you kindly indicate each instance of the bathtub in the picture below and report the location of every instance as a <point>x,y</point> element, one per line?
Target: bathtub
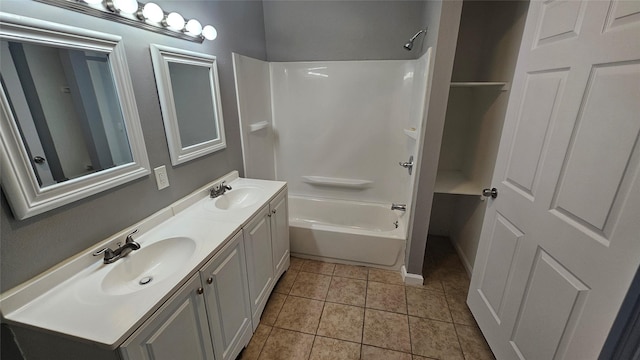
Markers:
<point>347,232</point>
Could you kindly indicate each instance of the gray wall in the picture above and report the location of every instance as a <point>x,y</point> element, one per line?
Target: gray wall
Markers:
<point>341,30</point>
<point>31,246</point>
<point>444,35</point>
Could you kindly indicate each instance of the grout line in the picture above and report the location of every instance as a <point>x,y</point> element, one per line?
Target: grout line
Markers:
<point>264,343</point>
<point>406,299</point>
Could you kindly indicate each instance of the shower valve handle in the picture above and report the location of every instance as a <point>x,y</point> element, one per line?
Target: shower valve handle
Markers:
<point>407,165</point>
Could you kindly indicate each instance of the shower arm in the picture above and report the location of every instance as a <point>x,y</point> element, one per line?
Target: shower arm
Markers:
<point>413,38</point>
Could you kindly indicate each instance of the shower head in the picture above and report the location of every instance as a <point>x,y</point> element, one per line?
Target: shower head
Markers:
<point>409,45</point>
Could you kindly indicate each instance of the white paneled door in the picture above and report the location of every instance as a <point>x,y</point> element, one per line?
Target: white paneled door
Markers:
<point>561,242</point>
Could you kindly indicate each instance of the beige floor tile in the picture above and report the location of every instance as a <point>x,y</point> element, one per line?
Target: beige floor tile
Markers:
<point>286,282</point>
<point>295,263</point>
<point>351,271</point>
<point>318,267</point>
<point>375,353</point>
<point>272,309</point>
<point>347,291</point>
<point>450,273</point>
<point>332,349</point>
<point>386,297</point>
<point>313,286</point>
<point>286,345</point>
<point>430,284</point>
<point>386,330</point>
<point>457,300</point>
<point>435,339</point>
<point>427,304</point>
<point>418,357</point>
<point>252,351</point>
<point>300,314</point>
<point>342,322</point>
<point>385,276</point>
<point>473,344</point>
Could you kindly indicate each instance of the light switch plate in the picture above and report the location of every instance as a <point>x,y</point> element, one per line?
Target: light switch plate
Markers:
<point>161,177</point>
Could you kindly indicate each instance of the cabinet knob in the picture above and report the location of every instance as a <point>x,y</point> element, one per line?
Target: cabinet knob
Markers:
<point>273,211</point>
<point>210,281</point>
<point>200,291</point>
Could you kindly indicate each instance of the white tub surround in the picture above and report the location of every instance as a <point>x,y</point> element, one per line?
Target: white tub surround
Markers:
<point>347,231</point>
<point>74,300</point>
<point>336,130</point>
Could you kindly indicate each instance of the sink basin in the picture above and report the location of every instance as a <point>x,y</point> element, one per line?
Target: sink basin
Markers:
<point>236,199</point>
<point>148,265</point>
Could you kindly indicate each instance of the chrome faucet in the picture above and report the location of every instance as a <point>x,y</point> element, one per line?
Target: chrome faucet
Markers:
<point>401,207</point>
<point>216,191</point>
<point>111,256</point>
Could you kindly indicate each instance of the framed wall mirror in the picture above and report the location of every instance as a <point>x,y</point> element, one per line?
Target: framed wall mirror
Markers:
<point>69,122</point>
<point>190,100</point>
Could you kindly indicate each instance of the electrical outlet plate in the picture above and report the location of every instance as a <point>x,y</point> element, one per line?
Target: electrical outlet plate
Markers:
<point>161,177</point>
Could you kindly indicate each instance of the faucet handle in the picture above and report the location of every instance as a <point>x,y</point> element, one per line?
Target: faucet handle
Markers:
<point>129,238</point>
<point>107,251</point>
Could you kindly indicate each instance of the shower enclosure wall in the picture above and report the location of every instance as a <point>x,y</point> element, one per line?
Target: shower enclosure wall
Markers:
<point>336,132</point>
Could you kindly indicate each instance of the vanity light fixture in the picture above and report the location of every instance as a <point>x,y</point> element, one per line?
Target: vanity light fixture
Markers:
<point>124,6</point>
<point>149,16</point>
<point>174,21</point>
<point>209,32</point>
<point>193,27</point>
<point>152,12</point>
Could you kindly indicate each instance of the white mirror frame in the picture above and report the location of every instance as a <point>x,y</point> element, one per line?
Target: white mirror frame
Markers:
<point>16,173</point>
<point>162,56</point>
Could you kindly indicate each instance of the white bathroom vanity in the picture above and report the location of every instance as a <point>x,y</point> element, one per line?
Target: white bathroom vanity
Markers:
<point>194,290</point>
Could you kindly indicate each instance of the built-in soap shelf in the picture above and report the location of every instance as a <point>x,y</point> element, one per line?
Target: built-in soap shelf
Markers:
<point>258,126</point>
<point>337,182</point>
<point>502,86</point>
<point>412,133</point>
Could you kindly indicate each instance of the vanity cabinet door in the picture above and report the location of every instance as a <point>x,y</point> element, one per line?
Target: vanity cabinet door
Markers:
<point>226,293</point>
<point>280,233</point>
<point>178,330</point>
<point>257,244</point>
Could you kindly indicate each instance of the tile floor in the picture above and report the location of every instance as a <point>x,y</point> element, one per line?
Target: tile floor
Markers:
<point>330,311</point>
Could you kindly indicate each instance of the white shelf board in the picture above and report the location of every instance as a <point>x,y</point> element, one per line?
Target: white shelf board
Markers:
<point>454,182</point>
<point>501,85</point>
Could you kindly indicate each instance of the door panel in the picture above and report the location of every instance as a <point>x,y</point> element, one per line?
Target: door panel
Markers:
<point>280,234</point>
<point>504,243</point>
<point>227,299</point>
<point>559,246</point>
<point>257,240</point>
<point>602,143</point>
<point>551,298</point>
<point>178,330</point>
<point>560,20</point>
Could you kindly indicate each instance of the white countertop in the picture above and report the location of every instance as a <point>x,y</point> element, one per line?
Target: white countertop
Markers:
<point>78,307</point>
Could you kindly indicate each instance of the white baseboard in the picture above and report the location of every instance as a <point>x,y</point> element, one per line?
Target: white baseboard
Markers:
<point>463,257</point>
<point>411,279</point>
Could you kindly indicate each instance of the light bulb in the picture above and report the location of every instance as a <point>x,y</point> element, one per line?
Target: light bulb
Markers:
<point>193,27</point>
<point>152,12</point>
<point>125,6</point>
<point>209,32</point>
<point>175,21</point>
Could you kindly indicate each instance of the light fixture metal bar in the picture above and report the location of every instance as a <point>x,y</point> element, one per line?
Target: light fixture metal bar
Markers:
<point>85,9</point>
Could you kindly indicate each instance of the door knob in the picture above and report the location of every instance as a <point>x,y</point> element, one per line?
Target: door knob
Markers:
<point>39,159</point>
<point>407,165</point>
<point>493,192</point>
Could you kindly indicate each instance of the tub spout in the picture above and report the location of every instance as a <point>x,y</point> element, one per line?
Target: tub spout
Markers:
<point>401,207</point>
